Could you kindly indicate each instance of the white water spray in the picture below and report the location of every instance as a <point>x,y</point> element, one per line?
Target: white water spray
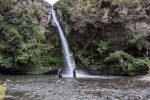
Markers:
<point>68,56</point>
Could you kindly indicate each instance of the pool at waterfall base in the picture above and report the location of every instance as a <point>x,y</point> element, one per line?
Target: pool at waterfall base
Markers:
<point>45,87</point>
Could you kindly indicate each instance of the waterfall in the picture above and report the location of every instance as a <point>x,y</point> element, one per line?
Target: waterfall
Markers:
<point>68,56</point>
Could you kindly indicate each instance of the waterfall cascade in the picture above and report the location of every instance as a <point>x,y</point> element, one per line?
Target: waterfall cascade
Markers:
<point>68,56</point>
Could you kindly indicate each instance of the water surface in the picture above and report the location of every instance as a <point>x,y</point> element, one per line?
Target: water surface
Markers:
<point>90,88</point>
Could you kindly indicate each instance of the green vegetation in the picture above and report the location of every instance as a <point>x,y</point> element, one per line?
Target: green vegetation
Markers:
<point>64,5</point>
<point>117,56</point>
<point>85,18</point>
<point>140,42</point>
<point>54,60</point>
<point>2,90</point>
<point>6,5</point>
<point>148,62</point>
<point>125,63</point>
<point>103,48</point>
<point>24,38</point>
<point>93,28</point>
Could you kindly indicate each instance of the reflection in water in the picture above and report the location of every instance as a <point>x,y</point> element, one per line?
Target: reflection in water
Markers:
<point>98,88</point>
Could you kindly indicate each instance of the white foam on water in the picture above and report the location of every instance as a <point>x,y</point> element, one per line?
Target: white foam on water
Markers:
<point>91,76</point>
<point>79,74</point>
<point>145,78</point>
<point>82,74</point>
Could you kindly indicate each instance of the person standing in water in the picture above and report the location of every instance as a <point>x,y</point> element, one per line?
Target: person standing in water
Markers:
<point>59,73</point>
<point>74,74</point>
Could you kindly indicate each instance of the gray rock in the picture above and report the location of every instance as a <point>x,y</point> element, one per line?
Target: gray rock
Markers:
<point>9,97</point>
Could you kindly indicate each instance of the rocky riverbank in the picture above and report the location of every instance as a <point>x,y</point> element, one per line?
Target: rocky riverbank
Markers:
<point>100,87</point>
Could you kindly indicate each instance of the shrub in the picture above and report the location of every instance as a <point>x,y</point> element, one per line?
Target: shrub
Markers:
<point>140,64</point>
<point>35,11</point>
<point>64,5</point>
<point>103,48</point>
<point>6,62</point>
<point>53,60</point>
<point>117,56</point>
<point>121,62</point>
<point>24,38</point>
<point>6,5</point>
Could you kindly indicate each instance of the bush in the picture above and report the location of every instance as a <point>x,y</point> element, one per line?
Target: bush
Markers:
<point>124,63</point>
<point>118,56</point>
<point>64,5</point>
<point>6,62</point>
<point>6,5</point>
<point>53,60</point>
<point>23,36</point>
<point>141,64</point>
<point>103,48</point>
<point>35,11</point>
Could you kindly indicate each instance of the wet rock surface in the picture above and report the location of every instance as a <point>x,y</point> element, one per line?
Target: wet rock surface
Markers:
<point>100,88</point>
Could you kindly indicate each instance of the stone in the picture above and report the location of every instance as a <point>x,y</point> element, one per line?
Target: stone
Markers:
<point>9,97</point>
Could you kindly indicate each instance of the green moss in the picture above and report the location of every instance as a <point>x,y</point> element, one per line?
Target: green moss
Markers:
<point>2,90</point>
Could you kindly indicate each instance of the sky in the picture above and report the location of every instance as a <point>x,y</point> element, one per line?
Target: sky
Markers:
<point>52,2</point>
